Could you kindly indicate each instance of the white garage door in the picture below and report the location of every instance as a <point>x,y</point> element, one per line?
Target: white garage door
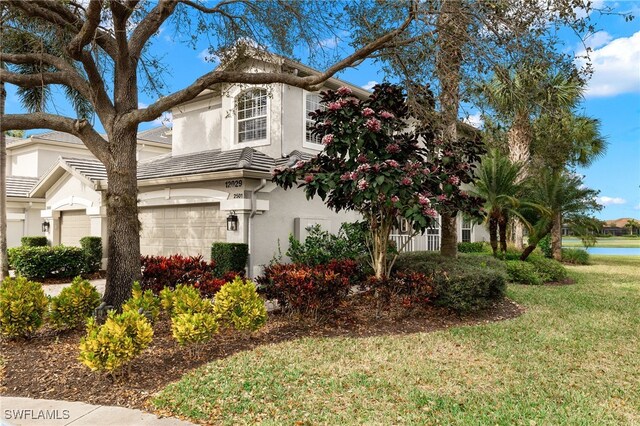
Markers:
<point>73,226</point>
<point>188,230</point>
<point>15,232</point>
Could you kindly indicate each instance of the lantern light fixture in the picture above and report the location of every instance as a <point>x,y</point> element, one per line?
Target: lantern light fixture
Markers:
<point>232,221</point>
<point>46,226</point>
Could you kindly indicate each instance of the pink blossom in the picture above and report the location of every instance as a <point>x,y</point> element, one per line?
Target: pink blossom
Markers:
<point>386,114</point>
<point>442,197</point>
<point>362,158</point>
<point>363,168</point>
<point>363,184</point>
<point>327,123</point>
<point>429,212</point>
<point>393,148</point>
<point>426,171</point>
<point>327,139</point>
<point>392,163</point>
<point>373,124</point>
<point>368,112</point>
<point>454,180</point>
<point>345,176</point>
<point>423,200</point>
<point>395,199</point>
<point>406,181</point>
<point>344,91</point>
<point>376,168</point>
<point>334,106</point>
<point>308,178</point>
<point>299,164</point>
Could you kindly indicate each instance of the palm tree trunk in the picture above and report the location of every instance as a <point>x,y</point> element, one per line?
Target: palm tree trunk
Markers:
<point>533,242</point>
<point>452,35</point>
<point>502,229</point>
<point>556,237</point>
<point>519,139</point>
<point>4,260</point>
<point>493,235</point>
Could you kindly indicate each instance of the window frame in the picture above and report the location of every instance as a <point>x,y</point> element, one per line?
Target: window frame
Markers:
<point>317,146</point>
<point>237,121</point>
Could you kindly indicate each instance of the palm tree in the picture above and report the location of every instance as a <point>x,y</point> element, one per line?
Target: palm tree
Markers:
<point>498,184</point>
<point>520,94</point>
<point>563,194</point>
<point>632,224</point>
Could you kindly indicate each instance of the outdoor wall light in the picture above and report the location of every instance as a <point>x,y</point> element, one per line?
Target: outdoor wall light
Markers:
<point>46,226</point>
<point>232,221</point>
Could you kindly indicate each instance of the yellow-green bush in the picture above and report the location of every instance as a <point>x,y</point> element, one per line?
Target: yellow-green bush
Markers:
<point>22,307</point>
<point>185,299</point>
<point>73,305</point>
<point>143,300</point>
<point>196,327</point>
<point>238,304</point>
<point>114,344</point>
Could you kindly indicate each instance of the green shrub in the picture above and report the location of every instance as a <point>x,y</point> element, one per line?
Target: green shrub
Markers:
<point>545,246</point>
<point>92,248</point>
<point>144,302</point>
<point>114,344</point>
<point>548,270</point>
<point>238,304</point>
<point>464,284</point>
<point>37,241</point>
<point>12,255</point>
<point>477,247</point>
<point>229,257</point>
<point>22,307</point>
<point>194,328</point>
<point>184,300</point>
<point>522,272</point>
<point>320,247</point>
<point>575,256</point>
<point>73,305</point>
<point>48,262</point>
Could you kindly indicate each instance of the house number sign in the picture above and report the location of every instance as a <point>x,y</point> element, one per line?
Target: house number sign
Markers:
<point>237,183</point>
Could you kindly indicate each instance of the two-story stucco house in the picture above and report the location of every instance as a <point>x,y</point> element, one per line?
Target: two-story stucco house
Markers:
<point>225,143</point>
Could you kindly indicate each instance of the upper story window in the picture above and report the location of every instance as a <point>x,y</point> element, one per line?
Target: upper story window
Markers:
<point>466,230</point>
<point>251,115</point>
<point>312,103</point>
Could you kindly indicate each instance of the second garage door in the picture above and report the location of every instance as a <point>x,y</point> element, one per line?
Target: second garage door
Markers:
<point>73,226</point>
<point>188,230</point>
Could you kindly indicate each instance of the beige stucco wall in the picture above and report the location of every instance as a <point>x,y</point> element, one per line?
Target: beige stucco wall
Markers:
<point>69,193</point>
<point>23,220</point>
<point>197,126</point>
<point>22,163</point>
<point>144,151</point>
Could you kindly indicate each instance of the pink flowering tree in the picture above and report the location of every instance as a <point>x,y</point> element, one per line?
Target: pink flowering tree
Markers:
<point>375,163</point>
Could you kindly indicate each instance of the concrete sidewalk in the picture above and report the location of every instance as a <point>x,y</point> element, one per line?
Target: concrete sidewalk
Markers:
<point>44,412</point>
<point>55,289</point>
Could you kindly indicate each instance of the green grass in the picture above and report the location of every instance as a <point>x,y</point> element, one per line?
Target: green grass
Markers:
<point>572,358</point>
<point>621,242</point>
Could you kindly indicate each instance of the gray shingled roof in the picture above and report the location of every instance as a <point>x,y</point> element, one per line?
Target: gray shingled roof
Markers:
<point>293,158</point>
<point>19,186</point>
<point>157,134</point>
<point>181,165</point>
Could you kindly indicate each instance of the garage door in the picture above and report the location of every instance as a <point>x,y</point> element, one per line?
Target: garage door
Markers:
<point>188,230</point>
<point>73,226</point>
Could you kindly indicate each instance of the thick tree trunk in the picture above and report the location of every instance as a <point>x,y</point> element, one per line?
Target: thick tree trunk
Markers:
<point>452,35</point>
<point>449,239</point>
<point>518,234</point>
<point>556,237</point>
<point>502,228</point>
<point>4,261</point>
<point>493,235</point>
<point>123,229</point>
<point>519,140</point>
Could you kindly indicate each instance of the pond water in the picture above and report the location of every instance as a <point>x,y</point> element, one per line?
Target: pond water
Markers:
<point>618,251</point>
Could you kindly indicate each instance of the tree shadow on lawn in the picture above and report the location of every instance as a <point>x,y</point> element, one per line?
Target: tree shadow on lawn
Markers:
<point>47,367</point>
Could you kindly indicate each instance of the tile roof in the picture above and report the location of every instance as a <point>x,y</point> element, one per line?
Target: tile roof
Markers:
<point>19,186</point>
<point>293,157</point>
<point>157,134</point>
<point>181,165</point>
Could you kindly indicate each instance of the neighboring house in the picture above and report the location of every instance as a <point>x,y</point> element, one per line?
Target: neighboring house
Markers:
<point>619,227</point>
<point>225,144</point>
<point>31,158</point>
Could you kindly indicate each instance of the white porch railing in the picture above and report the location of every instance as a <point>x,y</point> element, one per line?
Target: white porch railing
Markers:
<point>430,241</point>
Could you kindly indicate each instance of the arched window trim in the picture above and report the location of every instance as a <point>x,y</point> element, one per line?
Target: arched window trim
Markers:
<point>241,117</point>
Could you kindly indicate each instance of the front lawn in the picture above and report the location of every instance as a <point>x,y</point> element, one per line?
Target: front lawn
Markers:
<point>572,358</point>
<point>622,242</point>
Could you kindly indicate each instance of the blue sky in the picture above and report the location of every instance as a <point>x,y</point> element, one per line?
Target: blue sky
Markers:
<point>613,97</point>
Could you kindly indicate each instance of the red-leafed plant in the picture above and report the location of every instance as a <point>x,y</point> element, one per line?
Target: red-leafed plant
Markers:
<point>406,289</point>
<point>310,291</point>
<point>159,272</point>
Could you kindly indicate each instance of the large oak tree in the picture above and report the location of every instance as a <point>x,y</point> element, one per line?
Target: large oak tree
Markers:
<point>104,57</point>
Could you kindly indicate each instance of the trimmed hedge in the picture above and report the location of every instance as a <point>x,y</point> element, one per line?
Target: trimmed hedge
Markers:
<point>548,270</point>
<point>464,284</point>
<point>92,248</point>
<point>575,256</point>
<point>477,247</point>
<point>522,272</point>
<point>229,257</point>
<point>48,262</point>
<point>23,305</point>
<point>37,241</point>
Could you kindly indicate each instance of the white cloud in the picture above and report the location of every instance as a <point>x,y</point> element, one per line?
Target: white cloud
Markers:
<point>597,40</point>
<point>475,120</point>
<point>142,105</point>
<point>637,207</point>
<point>330,42</point>
<point>370,85</point>
<point>615,67</point>
<point>608,201</point>
<point>207,57</point>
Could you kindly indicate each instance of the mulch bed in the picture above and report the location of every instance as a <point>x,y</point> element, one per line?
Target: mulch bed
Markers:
<point>46,366</point>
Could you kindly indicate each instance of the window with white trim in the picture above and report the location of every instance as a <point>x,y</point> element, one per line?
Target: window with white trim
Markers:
<point>466,230</point>
<point>251,115</point>
<point>312,103</point>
